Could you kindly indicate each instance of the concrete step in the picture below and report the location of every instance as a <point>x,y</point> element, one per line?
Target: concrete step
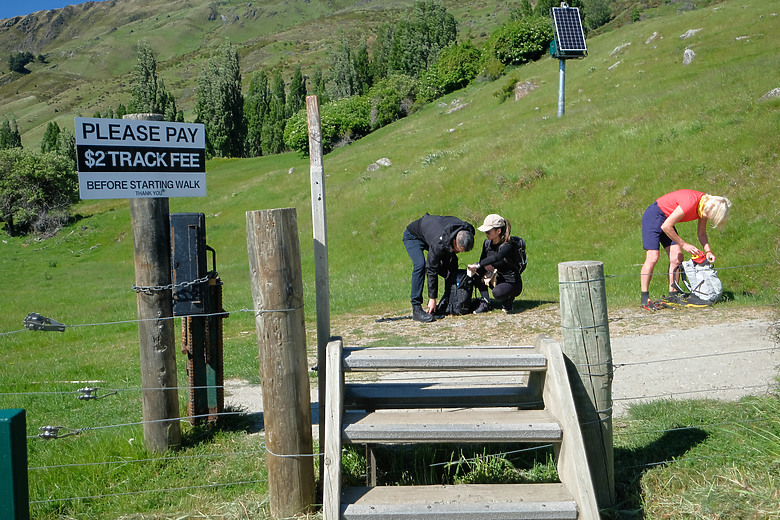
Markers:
<point>459,502</point>
<point>443,358</point>
<point>461,425</point>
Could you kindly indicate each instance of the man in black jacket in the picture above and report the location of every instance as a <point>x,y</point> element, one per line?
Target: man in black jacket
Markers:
<point>443,238</point>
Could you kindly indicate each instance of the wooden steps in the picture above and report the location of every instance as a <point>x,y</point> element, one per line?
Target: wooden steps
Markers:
<point>432,408</point>
<point>461,502</point>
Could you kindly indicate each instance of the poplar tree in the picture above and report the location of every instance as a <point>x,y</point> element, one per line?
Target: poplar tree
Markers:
<point>50,137</point>
<point>296,99</point>
<point>220,105</point>
<point>144,91</point>
<point>256,110</point>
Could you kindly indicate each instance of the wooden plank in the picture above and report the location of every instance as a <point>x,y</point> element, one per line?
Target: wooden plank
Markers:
<point>331,489</point>
<point>573,466</point>
<point>320,235</point>
<point>450,425</point>
<point>460,502</point>
<point>443,358</point>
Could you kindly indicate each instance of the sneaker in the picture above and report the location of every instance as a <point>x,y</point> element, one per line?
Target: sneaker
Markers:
<point>418,314</point>
<point>484,306</point>
<point>672,300</point>
<point>507,305</point>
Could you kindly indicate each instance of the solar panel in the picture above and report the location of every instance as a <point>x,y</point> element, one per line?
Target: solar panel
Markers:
<point>569,36</point>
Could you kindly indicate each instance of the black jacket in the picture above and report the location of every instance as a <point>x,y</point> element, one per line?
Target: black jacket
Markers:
<point>438,233</point>
<point>508,258</point>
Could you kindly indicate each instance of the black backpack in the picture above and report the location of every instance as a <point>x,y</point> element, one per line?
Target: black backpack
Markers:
<point>518,258</point>
<point>460,299</point>
<point>518,255</point>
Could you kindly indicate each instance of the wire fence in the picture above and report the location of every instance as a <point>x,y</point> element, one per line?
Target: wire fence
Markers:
<point>94,393</point>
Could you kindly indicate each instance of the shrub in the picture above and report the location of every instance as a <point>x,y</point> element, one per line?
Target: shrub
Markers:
<point>342,121</point>
<point>391,99</point>
<point>457,66</point>
<point>36,191</point>
<point>520,41</point>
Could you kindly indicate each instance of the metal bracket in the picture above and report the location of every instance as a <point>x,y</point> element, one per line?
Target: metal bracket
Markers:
<point>35,321</point>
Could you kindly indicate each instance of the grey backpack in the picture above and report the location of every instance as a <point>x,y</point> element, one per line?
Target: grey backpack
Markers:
<point>700,281</point>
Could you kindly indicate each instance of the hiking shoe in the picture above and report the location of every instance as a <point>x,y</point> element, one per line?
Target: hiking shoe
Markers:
<point>507,305</point>
<point>484,306</point>
<point>672,300</point>
<point>418,314</point>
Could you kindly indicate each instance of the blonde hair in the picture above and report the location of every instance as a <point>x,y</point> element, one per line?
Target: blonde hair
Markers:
<point>717,210</point>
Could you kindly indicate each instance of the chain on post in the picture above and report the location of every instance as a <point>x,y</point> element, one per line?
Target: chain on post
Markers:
<point>170,287</point>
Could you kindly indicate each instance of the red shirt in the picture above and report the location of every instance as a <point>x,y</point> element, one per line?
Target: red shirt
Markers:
<point>688,200</point>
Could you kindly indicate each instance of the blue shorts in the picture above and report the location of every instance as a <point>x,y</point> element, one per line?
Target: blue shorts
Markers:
<point>652,234</point>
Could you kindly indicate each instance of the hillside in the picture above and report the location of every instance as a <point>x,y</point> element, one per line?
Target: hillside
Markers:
<point>90,48</point>
<point>637,124</point>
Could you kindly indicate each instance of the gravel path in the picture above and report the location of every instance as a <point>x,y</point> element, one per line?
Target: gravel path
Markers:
<point>721,352</point>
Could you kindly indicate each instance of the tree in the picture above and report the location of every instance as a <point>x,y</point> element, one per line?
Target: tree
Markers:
<point>341,73</point>
<point>255,111</point>
<point>362,67</point>
<point>50,137</point>
<point>144,91</point>
<point>148,92</point>
<point>9,135</point>
<point>18,60</point>
<point>220,105</point>
<point>273,124</point>
<point>296,100</point>
<point>36,191</point>
<point>317,85</point>
<point>419,38</point>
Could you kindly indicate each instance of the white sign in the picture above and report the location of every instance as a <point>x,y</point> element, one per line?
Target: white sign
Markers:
<point>127,158</point>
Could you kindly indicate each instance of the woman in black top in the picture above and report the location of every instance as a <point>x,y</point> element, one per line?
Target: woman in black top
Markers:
<point>501,264</point>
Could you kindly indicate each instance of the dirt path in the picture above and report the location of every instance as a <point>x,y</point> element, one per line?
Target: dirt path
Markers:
<point>720,352</point>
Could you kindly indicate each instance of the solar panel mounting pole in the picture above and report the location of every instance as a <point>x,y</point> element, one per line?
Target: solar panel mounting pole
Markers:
<point>561,86</point>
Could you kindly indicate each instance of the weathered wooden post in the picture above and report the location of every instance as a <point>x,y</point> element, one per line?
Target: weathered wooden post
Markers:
<point>277,292</point>
<point>14,492</point>
<point>585,335</point>
<point>320,232</point>
<point>152,253</point>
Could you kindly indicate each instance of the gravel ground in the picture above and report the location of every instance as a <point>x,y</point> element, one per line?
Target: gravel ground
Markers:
<point>720,352</point>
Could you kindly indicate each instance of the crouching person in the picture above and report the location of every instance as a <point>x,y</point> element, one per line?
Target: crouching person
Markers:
<point>500,265</point>
<point>442,237</point>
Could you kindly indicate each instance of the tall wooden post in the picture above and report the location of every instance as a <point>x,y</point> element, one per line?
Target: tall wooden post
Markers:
<point>320,231</point>
<point>14,492</point>
<point>152,253</point>
<point>585,334</point>
<point>277,292</point>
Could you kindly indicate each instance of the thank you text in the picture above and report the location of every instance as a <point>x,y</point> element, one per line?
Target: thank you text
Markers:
<point>123,158</point>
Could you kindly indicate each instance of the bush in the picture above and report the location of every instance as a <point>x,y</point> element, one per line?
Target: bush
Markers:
<point>342,121</point>
<point>391,99</point>
<point>520,41</point>
<point>18,60</point>
<point>457,66</point>
<point>36,191</point>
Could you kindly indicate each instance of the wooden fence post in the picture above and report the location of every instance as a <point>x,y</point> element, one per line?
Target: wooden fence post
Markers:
<point>152,252</point>
<point>585,334</point>
<point>320,232</point>
<point>277,292</point>
<point>14,491</point>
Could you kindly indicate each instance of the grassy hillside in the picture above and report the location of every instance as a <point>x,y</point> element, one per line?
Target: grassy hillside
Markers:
<point>91,48</point>
<point>637,124</point>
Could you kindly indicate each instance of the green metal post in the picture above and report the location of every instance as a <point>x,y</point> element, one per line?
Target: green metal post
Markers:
<point>14,493</point>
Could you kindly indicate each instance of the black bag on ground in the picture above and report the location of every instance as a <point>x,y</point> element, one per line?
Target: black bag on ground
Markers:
<point>459,299</point>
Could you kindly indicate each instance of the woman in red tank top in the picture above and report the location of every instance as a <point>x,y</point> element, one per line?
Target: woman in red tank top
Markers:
<point>658,229</point>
